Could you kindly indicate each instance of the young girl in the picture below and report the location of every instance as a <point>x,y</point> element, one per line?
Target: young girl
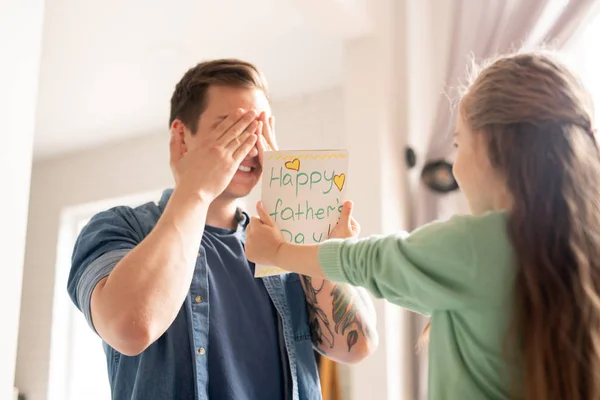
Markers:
<point>512,290</point>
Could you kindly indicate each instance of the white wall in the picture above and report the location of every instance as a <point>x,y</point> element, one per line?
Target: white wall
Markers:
<point>20,41</point>
<point>117,170</point>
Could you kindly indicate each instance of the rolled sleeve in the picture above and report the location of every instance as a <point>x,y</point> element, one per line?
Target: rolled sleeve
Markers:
<point>99,269</point>
<point>101,244</point>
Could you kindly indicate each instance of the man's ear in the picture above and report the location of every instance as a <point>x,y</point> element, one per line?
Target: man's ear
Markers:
<point>178,128</point>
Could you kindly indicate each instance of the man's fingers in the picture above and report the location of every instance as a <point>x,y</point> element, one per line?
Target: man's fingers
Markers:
<point>264,216</point>
<point>269,134</point>
<point>346,214</point>
<point>261,144</point>
<point>227,123</point>
<point>263,117</point>
<point>272,123</point>
<point>249,141</point>
<point>237,141</point>
<point>264,131</point>
<point>238,128</point>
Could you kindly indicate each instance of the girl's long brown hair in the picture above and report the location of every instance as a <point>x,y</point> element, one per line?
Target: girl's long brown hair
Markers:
<point>538,123</point>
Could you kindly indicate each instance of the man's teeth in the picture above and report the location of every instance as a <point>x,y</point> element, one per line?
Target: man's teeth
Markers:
<point>245,169</point>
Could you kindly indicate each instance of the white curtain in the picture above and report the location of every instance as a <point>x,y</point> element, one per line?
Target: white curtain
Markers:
<point>480,30</point>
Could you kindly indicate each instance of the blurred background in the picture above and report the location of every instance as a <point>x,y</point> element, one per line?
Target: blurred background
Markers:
<point>84,102</point>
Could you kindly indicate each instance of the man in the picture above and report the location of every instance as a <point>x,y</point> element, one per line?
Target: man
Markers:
<point>168,288</point>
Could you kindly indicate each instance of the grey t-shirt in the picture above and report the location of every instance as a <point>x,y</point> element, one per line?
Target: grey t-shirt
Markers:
<point>244,360</point>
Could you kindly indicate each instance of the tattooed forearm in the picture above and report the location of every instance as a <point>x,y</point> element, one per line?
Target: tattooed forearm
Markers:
<point>320,329</point>
<point>336,315</point>
<point>346,316</point>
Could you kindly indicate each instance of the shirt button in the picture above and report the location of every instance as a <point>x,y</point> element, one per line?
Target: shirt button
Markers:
<point>201,351</point>
<point>198,255</point>
<point>198,299</point>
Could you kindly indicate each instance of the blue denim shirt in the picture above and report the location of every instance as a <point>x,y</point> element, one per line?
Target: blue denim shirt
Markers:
<point>155,374</point>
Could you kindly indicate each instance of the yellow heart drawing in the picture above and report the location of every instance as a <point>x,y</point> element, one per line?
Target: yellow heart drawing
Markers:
<point>339,181</point>
<point>293,165</point>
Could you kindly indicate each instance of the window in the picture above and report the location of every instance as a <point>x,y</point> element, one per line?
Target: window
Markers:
<point>87,364</point>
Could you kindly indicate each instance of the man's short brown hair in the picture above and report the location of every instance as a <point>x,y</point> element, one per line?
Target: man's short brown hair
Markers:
<point>189,98</point>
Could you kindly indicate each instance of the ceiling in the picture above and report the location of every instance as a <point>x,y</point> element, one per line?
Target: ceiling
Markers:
<point>109,67</point>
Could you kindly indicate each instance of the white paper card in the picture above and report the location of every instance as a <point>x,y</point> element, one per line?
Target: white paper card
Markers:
<point>303,191</point>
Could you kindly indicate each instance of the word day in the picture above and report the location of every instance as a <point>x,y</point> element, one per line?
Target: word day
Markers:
<point>301,238</point>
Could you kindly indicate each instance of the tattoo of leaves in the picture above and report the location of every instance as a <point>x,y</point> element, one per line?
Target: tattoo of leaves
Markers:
<point>352,339</point>
<point>320,330</point>
<point>345,315</point>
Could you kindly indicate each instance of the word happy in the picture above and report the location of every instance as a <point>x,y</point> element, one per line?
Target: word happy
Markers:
<point>297,180</point>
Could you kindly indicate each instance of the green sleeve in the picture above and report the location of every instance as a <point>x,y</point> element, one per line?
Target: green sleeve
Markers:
<point>434,268</point>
